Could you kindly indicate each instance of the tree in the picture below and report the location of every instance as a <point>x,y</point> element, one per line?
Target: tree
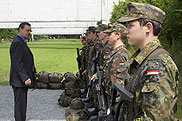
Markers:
<point>8,33</point>
<point>171,34</point>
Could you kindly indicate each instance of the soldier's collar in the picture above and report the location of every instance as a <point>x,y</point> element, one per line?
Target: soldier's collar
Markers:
<point>95,39</point>
<point>91,42</point>
<point>117,49</point>
<point>140,55</point>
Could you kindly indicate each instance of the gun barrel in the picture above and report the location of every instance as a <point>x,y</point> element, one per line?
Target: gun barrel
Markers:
<point>124,93</point>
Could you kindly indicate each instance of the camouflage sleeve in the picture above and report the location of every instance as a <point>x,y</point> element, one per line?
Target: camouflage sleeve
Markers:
<point>86,57</point>
<point>118,70</point>
<point>90,58</point>
<point>159,91</point>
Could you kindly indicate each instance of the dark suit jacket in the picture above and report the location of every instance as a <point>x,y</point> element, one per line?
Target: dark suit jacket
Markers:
<point>22,63</point>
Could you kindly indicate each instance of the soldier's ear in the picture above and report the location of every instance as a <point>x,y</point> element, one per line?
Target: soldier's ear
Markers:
<point>149,27</point>
<point>118,35</point>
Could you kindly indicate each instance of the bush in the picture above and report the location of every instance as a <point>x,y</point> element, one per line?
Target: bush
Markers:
<point>8,33</point>
<point>171,34</point>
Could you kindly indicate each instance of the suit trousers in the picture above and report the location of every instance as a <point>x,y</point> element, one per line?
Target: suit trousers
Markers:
<point>20,100</point>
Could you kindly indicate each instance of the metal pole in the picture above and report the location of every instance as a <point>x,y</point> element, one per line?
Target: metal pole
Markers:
<point>101,11</point>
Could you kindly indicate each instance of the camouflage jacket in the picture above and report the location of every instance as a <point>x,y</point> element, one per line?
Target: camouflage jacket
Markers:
<point>83,58</point>
<point>104,59</point>
<point>117,68</point>
<point>105,54</point>
<point>87,50</point>
<point>92,53</point>
<point>154,86</point>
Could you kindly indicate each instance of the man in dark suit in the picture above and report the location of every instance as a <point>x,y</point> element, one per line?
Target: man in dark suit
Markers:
<point>22,70</point>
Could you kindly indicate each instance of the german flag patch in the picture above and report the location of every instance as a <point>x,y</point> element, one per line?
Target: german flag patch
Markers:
<point>152,72</point>
<point>121,63</point>
<point>107,51</point>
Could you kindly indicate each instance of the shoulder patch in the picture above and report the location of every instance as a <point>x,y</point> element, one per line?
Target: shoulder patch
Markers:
<point>97,46</point>
<point>152,72</point>
<point>121,63</point>
<point>107,50</point>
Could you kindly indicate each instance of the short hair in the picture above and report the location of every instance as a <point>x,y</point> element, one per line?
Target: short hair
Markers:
<point>156,25</point>
<point>22,25</point>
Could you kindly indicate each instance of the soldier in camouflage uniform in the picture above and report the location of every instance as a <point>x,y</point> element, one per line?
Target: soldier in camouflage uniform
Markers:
<point>154,74</point>
<point>117,69</point>
<point>105,52</point>
<point>83,62</point>
<point>102,37</point>
<point>92,37</point>
<point>93,52</point>
<point>89,52</point>
<point>86,62</point>
<point>82,59</point>
<point>99,46</point>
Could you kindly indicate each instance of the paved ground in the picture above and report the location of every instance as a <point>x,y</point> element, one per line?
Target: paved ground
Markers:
<point>42,105</point>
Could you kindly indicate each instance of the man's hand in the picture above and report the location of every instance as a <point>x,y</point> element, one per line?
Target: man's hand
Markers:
<point>28,82</point>
<point>94,77</point>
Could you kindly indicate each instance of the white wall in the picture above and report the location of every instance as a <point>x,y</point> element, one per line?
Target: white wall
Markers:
<point>55,16</point>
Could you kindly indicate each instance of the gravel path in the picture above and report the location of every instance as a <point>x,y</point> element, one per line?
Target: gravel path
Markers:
<point>42,105</point>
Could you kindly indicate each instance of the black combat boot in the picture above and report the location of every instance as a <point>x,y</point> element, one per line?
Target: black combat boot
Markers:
<point>84,93</point>
<point>90,99</point>
<point>95,119</point>
<point>95,112</point>
<point>90,105</point>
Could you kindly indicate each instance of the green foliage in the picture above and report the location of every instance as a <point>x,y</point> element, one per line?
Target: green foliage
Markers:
<point>171,34</point>
<point>118,11</point>
<point>8,33</point>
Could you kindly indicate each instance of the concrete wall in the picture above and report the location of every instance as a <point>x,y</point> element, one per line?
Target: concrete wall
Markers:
<point>55,16</point>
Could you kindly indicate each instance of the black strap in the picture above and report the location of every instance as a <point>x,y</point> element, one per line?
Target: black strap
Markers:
<point>154,54</point>
<point>134,80</point>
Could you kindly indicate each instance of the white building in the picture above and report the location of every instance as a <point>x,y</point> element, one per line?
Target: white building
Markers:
<point>55,16</point>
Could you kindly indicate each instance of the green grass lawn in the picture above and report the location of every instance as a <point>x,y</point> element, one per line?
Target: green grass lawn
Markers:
<point>50,55</point>
<point>54,56</point>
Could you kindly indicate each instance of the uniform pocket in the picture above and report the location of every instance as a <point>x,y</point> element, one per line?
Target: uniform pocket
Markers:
<point>149,87</point>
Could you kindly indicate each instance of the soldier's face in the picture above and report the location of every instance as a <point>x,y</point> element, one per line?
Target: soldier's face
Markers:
<point>135,33</point>
<point>91,35</point>
<point>101,35</point>
<point>25,32</point>
<point>112,38</point>
<point>105,39</point>
<point>86,36</point>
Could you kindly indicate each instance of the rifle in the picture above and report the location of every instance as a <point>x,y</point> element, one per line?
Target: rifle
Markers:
<point>93,71</point>
<point>125,96</point>
<point>101,96</point>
